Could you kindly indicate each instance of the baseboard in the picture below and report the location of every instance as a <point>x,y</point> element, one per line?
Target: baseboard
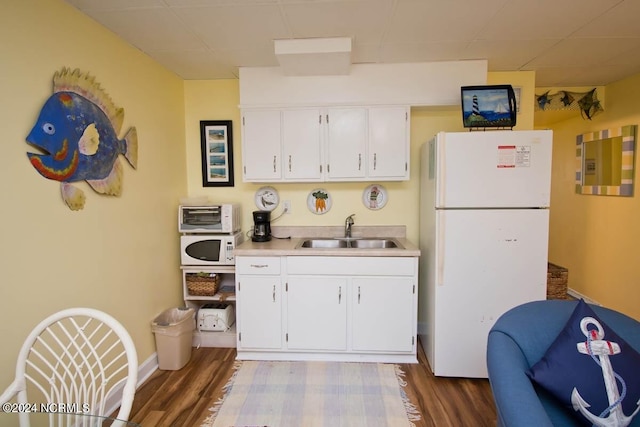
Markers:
<point>578,295</point>
<point>145,370</point>
<point>422,328</point>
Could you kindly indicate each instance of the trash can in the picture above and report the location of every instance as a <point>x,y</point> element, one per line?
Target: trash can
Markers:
<point>174,333</point>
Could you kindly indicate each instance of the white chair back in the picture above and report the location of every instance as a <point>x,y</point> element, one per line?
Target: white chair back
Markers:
<point>79,360</point>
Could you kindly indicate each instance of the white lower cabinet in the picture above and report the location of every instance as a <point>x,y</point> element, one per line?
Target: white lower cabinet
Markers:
<point>382,319</point>
<point>260,312</point>
<point>332,308</point>
<point>316,313</point>
<point>258,303</point>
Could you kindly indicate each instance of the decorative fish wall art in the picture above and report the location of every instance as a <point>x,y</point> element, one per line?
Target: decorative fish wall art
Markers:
<point>586,102</point>
<point>77,133</point>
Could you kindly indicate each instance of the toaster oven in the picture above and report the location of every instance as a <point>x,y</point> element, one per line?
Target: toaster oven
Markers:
<point>223,218</point>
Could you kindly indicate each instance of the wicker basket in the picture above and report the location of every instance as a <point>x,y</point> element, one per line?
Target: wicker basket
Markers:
<point>557,278</point>
<point>202,285</point>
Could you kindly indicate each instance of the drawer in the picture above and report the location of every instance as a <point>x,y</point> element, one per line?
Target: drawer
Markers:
<point>352,266</point>
<point>257,265</point>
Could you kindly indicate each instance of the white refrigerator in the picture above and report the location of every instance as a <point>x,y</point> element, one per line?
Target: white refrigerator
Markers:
<point>484,227</point>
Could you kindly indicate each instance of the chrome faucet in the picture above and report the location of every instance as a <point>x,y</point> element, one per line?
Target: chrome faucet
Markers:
<point>347,226</point>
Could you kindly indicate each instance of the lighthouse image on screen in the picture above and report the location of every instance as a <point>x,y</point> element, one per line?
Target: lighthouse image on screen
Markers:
<point>488,106</point>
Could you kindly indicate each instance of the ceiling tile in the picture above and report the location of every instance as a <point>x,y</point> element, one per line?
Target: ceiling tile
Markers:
<point>364,21</point>
<point>365,53</point>
<point>556,76</point>
<point>149,29</point>
<point>621,20</point>
<point>256,57</point>
<point>602,75</point>
<point>423,52</point>
<point>627,58</point>
<point>582,52</point>
<point>523,19</point>
<point>115,4</point>
<point>195,3</point>
<point>196,65</point>
<point>505,55</point>
<point>235,27</point>
<point>436,20</point>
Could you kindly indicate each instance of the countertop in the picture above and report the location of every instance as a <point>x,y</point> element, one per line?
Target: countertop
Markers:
<point>285,240</point>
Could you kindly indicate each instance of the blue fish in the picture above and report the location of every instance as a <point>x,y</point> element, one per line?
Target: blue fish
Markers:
<point>77,130</point>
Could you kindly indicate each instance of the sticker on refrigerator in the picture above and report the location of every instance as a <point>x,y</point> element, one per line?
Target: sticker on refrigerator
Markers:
<point>514,156</point>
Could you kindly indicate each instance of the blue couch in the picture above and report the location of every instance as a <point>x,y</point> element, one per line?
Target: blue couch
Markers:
<point>517,341</point>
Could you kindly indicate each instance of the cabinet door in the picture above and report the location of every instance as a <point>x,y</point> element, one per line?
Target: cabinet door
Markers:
<point>389,143</point>
<point>383,315</point>
<point>301,145</point>
<point>346,143</point>
<point>261,145</point>
<point>316,313</point>
<point>259,312</point>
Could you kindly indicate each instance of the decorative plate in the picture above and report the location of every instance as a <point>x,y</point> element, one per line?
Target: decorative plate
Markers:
<point>267,198</point>
<point>374,197</point>
<point>319,201</point>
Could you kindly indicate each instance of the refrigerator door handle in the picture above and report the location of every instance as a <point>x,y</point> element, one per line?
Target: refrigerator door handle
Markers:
<point>440,156</point>
<point>440,238</point>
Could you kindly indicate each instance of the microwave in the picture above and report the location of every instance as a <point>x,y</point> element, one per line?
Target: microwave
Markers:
<point>209,219</point>
<point>211,249</point>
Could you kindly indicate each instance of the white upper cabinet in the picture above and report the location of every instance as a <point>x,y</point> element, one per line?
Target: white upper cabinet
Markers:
<point>301,145</point>
<point>389,143</point>
<point>346,143</point>
<point>261,145</point>
<point>326,144</point>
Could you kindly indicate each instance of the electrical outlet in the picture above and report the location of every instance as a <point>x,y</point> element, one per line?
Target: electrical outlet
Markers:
<point>286,206</point>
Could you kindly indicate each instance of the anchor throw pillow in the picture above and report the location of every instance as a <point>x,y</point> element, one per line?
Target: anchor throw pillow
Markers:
<point>587,367</point>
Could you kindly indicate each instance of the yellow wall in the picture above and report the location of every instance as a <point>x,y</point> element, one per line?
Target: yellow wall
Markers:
<point>118,254</point>
<point>523,81</point>
<point>219,99</point>
<point>596,237</point>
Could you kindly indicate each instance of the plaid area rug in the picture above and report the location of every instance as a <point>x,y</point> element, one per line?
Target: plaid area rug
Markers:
<point>314,394</point>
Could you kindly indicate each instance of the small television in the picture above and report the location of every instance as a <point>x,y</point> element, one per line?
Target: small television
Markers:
<point>488,106</point>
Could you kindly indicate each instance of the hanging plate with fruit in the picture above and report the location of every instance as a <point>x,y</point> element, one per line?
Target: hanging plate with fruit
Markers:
<point>319,201</point>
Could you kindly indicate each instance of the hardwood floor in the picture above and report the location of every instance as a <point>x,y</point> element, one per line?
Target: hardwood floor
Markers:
<point>183,398</point>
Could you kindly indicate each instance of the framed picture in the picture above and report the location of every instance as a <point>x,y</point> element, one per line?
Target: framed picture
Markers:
<point>488,106</point>
<point>216,141</point>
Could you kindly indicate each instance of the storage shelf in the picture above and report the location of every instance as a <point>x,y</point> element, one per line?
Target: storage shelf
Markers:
<point>224,339</point>
<point>209,268</point>
<point>225,294</point>
<point>216,297</point>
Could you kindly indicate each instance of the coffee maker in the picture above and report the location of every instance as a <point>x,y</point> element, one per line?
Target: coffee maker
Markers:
<point>261,226</point>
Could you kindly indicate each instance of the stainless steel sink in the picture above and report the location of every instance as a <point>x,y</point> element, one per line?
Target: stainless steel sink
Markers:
<point>357,243</point>
<point>324,243</point>
<point>375,244</point>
